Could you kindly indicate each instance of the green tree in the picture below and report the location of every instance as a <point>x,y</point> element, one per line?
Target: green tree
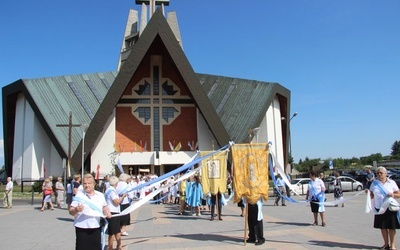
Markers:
<point>368,160</point>
<point>290,159</point>
<point>395,150</point>
<point>307,164</point>
<point>341,163</point>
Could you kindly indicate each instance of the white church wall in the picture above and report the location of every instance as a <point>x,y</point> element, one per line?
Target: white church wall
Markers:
<point>19,146</point>
<point>56,163</point>
<point>32,145</point>
<point>204,135</point>
<point>41,147</point>
<point>273,121</point>
<point>103,147</point>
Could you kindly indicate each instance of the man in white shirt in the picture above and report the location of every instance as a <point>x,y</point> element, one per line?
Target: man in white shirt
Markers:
<point>8,195</point>
<point>280,186</point>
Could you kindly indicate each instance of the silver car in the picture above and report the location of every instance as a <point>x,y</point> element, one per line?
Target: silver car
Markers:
<point>348,184</point>
<point>299,186</point>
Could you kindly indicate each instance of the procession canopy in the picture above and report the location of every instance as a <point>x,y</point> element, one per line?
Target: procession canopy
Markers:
<point>214,173</point>
<point>250,169</point>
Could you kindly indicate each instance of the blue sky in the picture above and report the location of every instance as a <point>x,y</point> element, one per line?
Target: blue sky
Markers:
<point>340,59</point>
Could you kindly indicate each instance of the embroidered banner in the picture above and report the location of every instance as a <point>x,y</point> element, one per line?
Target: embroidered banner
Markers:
<point>214,173</point>
<point>250,169</point>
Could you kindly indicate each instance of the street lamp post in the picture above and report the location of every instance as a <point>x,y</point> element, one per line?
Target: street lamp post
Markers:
<point>290,139</point>
<point>83,127</point>
<point>290,142</point>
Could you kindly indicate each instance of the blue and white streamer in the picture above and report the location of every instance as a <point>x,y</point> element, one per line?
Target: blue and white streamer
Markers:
<point>160,179</point>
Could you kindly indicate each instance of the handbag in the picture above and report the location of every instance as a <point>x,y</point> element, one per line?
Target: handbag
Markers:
<point>47,192</point>
<point>393,205</point>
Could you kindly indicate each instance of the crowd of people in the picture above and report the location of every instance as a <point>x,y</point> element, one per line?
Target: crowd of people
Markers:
<point>111,196</point>
<point>117,194</point>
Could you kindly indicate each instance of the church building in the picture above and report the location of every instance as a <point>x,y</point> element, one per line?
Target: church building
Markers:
<point>151,115</point>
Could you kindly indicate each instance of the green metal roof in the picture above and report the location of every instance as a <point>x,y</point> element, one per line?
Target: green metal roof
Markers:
<point>56,97</point>
<point>241,104</point>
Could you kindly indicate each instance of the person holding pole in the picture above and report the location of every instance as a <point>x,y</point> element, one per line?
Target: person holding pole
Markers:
<point>182,195</point>
<point>255,222</point>
<point>216,200</point>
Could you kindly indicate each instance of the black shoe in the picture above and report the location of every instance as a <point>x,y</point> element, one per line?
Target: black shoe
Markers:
<point>283,204</point>
<point>250,241</point>
<point>260,242</point>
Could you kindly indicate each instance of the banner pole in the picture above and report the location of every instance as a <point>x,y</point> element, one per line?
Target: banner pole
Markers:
<point>245,224</point>
<point>217,205</point>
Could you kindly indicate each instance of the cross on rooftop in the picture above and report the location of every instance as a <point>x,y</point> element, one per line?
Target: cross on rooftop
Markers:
<point>153,4</point>
<point>156,2</point>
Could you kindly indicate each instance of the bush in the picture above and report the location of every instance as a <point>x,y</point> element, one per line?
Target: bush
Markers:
<point>37,187</point>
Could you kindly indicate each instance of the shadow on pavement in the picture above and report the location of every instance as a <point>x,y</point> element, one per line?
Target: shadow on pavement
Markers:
<point>66,219</point>
<point>291,223</point>
<point>209,237</point>
<point>341,245</point>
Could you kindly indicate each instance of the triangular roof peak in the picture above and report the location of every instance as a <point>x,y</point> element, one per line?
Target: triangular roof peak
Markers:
<point>157,27</point>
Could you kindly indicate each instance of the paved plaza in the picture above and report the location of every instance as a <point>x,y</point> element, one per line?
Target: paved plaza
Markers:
<point>160,227</point>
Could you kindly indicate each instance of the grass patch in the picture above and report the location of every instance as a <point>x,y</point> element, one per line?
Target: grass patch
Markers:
<point>17,191</point>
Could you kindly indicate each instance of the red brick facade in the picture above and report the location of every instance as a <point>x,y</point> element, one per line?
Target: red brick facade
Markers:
<point>129,130</point>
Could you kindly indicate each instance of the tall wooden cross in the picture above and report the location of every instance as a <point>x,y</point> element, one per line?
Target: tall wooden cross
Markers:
<point>69,125</point>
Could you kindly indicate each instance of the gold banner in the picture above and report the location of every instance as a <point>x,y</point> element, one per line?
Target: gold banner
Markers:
<point>214,173</point>
<point>250,170</point>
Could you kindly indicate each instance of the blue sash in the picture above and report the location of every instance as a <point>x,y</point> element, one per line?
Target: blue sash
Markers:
<point>319,196</point>
<point>108,191</point>
<point>123,191</point>
<point>380,187</point>
<point>87,202</point>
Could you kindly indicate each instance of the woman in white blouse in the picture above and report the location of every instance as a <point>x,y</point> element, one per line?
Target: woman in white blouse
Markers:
<point>113,203</point>
<point>381,189</point>
<point>315,194</point>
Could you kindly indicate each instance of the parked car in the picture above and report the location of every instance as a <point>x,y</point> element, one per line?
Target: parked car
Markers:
<point>362,177</point>
<point>349,175</point>
<point>392,171</point>
<point>396,178</point>
<point>299,185</point>
<point>348,184</point>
